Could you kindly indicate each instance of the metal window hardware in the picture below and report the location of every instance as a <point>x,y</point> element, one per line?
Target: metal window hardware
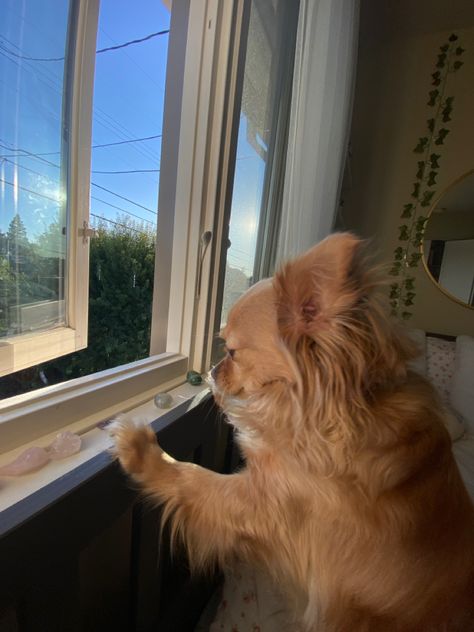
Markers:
<point>205,241</point>
<point>86,232</point>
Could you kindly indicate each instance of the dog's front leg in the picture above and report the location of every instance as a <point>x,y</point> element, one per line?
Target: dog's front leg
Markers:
<point>211,512</point>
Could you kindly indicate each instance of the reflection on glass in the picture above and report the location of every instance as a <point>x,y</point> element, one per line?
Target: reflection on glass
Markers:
<point>449,241</point>
<point>267,72</point>
<point>245,210</point>
<point>33,137</point>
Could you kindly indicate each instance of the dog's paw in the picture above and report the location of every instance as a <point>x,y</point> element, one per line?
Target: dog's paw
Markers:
<point>132,444</point>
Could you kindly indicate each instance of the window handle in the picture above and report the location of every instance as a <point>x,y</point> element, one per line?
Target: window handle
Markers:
<point>203,246</point>
<point>86,232</point>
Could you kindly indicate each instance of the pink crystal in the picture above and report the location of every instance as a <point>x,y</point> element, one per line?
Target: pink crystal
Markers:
<point>28,461</point>
<point>66,444</point>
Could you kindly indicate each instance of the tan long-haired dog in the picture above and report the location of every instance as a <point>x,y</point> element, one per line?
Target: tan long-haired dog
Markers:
<point>350,496</point>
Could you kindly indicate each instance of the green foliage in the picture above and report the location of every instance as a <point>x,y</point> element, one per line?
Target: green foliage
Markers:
<point>7,284</point>
<point>20,272</point>
<point>121,275</point>
<point>407,256</point>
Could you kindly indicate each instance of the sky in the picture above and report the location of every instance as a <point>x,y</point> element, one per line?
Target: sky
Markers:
<point>128,105</point>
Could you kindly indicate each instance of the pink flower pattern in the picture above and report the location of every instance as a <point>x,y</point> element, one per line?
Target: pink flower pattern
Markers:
<point>440,358</point>
<point>250,603</point>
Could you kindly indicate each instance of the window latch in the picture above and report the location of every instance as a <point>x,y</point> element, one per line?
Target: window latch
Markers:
<point>86,232</point>
<point>205,241</point>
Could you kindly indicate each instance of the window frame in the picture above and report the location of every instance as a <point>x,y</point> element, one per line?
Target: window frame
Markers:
<point>26,350</point>
<point>203,30</point>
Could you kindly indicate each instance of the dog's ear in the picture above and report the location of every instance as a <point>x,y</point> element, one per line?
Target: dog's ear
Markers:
<point>318,285</point>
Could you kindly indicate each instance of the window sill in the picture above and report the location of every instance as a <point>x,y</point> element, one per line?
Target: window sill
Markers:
<point>23,497</point>
<point>81,403</point>
<point>26,350</point>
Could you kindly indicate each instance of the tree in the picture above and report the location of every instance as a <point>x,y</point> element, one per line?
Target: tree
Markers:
<point>15,284</point>
<point>50,260</point>
<point>121,273</point>
<point>18,246</point>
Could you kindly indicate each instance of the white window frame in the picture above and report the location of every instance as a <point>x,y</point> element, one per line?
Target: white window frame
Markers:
<point>187,207</point>
<point>22,351</point>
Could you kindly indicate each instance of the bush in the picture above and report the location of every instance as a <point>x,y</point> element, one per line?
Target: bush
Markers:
<point>121,275</point>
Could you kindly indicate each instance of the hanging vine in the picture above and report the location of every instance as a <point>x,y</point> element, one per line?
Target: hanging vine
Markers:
<point>407,255</point>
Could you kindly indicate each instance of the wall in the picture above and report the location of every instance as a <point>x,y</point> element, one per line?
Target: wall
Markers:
<point>399,42</point>
<point>451,225</point>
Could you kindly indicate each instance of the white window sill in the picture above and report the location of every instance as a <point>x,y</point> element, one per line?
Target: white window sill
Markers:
<point>94,442</point>
<point>81,403</point>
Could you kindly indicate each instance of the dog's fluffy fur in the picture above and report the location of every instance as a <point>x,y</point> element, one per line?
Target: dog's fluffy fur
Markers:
<point>350,496</point>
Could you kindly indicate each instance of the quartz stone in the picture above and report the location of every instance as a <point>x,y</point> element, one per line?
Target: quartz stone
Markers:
<point>194,378</point>
<point>65,444</point>
<point>163,400</point>
<point>28,461</point>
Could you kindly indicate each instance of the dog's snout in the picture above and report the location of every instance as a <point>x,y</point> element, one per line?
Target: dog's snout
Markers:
<point>215,371</point>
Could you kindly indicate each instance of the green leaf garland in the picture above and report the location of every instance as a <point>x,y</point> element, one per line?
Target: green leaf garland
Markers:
<point>407,256</point>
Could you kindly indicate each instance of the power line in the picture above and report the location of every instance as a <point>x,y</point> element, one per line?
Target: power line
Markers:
<point>27,58</point>
<point>45,71</point>
<point>122,197</point>
<point>113,125</point>
<point>127,171</point>
<point>37,173</point>
<point>94,184</point>
<point>101,50</point>
<point>111,221</point>
<point>133,61</point>
<point>131,42</point>
<point>28,153</point>
<point>18,186</point>
<point>119,208</point>
<point>56,153</point>
<point>123,142</point>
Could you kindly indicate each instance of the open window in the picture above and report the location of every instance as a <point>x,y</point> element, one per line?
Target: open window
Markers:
<point>216,54</point>
<point>47,64</point>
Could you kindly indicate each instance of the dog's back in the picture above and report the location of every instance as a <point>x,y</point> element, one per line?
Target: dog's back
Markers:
<point>384,542</point>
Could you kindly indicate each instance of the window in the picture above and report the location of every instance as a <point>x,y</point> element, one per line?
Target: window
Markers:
<point>206,75</point>
<point>254,174</point>
<point>260,151</point>
<point>127,116</point>
<point>34,203</point>
<point>45,70</point>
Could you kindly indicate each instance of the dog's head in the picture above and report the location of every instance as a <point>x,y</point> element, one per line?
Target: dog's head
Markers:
<point>314,337</point>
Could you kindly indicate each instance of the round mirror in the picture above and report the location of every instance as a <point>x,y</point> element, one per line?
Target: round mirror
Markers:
<point>448,247</point>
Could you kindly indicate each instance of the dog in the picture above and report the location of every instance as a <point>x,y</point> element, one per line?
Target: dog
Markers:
<point>350,497</point>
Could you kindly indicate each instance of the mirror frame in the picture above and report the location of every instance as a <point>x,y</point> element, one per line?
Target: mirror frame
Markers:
<point>422,250</point>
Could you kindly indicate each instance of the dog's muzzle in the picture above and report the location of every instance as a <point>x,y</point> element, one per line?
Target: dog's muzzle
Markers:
<point>215,371</point>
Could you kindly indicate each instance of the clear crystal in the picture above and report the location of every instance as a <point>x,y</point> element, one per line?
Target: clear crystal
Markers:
<point>66,444</point>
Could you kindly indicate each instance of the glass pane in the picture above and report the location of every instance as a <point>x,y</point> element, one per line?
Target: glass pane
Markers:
<point>129,85</point>
<point>267,78</point>
<point>33,167</point>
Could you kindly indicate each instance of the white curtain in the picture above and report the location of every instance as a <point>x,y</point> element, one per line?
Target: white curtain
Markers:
<point>325,59</point>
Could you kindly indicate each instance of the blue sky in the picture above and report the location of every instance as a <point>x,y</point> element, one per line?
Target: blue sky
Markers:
<point>128,104</point>
<point>30,111</point>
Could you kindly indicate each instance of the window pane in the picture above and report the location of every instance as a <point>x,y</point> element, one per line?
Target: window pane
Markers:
<point>260,150</point>
<point>126,148</point>
<point>33,165</point>
<point>131,57</point>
